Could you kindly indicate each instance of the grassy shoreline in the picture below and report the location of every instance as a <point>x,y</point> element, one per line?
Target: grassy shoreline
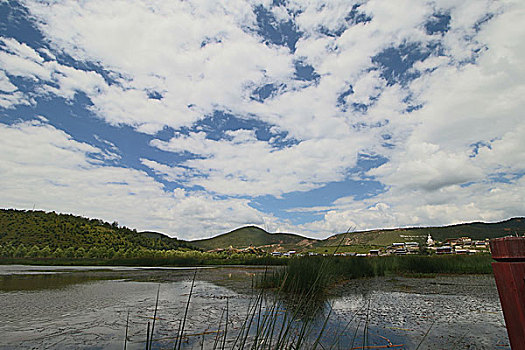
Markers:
<point>352,267</point>
<point>305,275</point>
<point>151,262</point>
<point>314,275</point>
<point>302,287</point>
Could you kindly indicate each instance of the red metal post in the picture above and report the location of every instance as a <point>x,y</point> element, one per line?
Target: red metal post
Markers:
<point>509,272</point>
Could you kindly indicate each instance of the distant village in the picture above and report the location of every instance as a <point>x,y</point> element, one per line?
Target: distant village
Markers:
<point>462,245</point>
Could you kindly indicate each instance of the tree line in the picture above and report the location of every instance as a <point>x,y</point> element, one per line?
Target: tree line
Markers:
<point>49,229</point>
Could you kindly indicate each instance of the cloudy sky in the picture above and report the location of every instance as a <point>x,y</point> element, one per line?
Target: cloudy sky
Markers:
<point>196,117</point>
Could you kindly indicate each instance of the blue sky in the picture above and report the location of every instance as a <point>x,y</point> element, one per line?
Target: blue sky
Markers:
<point>194,118</point>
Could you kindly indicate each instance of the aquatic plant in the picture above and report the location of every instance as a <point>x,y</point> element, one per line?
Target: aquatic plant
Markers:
<point>265,326</point>
<point>315,274</point>
<point>300,289</point>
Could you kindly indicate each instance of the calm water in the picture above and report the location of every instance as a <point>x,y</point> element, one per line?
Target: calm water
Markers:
<point>86,307</point>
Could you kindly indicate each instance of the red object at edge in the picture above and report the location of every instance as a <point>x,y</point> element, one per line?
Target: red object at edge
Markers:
<point>509,272</point>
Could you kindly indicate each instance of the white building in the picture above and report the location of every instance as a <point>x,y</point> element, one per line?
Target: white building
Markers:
<point>430,241</point>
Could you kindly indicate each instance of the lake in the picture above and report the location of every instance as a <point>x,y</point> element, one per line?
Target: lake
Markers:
<point>88,307</point>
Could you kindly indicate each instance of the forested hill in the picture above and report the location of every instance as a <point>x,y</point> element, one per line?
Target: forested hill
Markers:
<point>64,230</point>
<point>254,236</point>
<point>474,230</point>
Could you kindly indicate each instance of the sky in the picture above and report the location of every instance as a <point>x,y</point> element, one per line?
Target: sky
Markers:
<point>196,117</point>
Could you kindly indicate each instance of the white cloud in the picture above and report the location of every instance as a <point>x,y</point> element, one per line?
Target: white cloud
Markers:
<point>45,167</point>
<point>21,60</point>
<point>247,166</point>
<point>204,56</point>
<point>464,106</point>
<point>172,174</point>
<point>436,175</point>
<point>5,84</point>
<point>197,54</point>
<point>425,166</point>
<point>9,96</point>
<point>450,205</point>
<point>281,14</point>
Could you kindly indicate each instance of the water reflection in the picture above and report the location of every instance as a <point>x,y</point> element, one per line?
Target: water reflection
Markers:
<point>36,282</point>
<point>87,308</point>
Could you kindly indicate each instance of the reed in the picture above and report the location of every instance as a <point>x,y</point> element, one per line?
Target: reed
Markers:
<point>426,334</point>
<point>178,344</point>
<point>225,325</point>
<point>154,316</point>
<point>147,337</point>
<point>126,335</point>
<point>313,275</point>
<point>300,288</point>
<point>217,336</point>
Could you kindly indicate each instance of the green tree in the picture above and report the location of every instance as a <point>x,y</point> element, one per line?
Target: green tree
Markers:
<point>69,252</point>
<point>120,254</point>
<point>81,253</point>
<point>110,253</point>
<point>33,252</point>
<point>58,253</point>
<point>7,251</point>
<point>20,251</point>
<point>45,252</point>
<point>93,253</point>
<point>102,252</point>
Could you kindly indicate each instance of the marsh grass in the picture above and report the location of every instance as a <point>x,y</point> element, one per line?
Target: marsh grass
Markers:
<point>178,340</point>
<point>126,335</point>
<point>155,258</point>
<point>295,313</point>
<point>313,275</point>
<point>448,264</point>
<point>280,319</point>
<point>154,317</point>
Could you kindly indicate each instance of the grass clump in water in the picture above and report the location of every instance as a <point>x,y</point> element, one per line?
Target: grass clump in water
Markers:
<point>315,274</point>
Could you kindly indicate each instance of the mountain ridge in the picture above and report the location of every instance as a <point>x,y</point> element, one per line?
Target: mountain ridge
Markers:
<point>476,230</point>
<point>35,227</point>
<point>247,236</point>
<point>64,230</point>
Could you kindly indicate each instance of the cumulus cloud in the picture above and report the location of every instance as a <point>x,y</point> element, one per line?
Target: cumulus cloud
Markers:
<point>443,107</point>
<point>460,157</point>
<point>245,165</point>
<point>465,108</point>
<point>9,94</point>
<point>453,204</point>
<point>201,55</point>
<point>45,167</point>
<point>5,84</point>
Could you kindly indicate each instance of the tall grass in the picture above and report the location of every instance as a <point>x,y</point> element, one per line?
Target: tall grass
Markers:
<point>294,314</point>
<point>314,274</point>
<point>178,341</point>
<point>266,325</point>
<point>126,335</point>
<point>448,264</point>
<point>154,317</point>
<point>155,258</point>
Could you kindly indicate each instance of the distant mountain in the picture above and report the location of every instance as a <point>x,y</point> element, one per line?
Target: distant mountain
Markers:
<point>475,230</point>
<point>255,236</point>
<point>40,228</point>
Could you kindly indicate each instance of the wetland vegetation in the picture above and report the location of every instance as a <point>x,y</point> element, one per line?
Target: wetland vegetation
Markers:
<point>220,308</point>
<point>296,302</point>
<point>315,274</point>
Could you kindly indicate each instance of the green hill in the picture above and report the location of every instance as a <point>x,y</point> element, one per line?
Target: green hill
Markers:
<point>254,236</point>
<point>64,230</point>
<point>381,238</point>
